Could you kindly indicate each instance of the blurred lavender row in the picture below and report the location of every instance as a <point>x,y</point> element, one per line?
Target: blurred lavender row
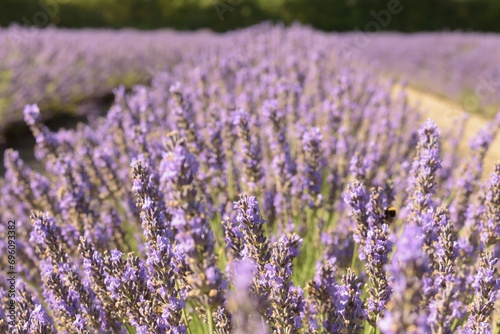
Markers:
<point>265,186</point>
<point>59,69</point>
<point>460,65</point>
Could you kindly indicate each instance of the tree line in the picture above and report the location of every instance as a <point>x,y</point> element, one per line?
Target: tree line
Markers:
<point>224,15</point>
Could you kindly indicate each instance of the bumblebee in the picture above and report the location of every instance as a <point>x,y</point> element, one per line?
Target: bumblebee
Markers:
<point>390,214</point>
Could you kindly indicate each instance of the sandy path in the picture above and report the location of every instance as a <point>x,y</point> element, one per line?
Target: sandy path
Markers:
<point>444,112</point>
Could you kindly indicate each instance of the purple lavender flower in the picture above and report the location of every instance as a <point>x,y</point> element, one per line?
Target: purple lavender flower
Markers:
<point>372,234</point>
<point>127,284</point>
<point>234,240</point>
<point>250,146</point>
<point>422,184</point>
<point>376,250</point>
<point>32,316</point>
<point>25,184</point>
<point>282,162</point>
<point>349,307</point>
<point>407,268</point>
<point>312,167</point>
<point>486,284</point>
<point>195,240</point>
<point>154,218</point>
<point>357,199</point>
<point>322,293</point>
<point>62,281</point>
<point>338,242</point>
<point>116,249</point>
<point>242,303</point>
<point>158,235</point>
<point>65,304</point>
<point>251,225</point>
<point>444,305</point>
<point>491,220</point>
<point>358,167</point>
<point>214,156</point>
<point>185,118</point>
<point>46,141</point>
<point>286,301</point>
<point>470,173</point>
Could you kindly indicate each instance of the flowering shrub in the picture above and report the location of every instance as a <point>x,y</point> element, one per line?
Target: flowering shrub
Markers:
<point>267,187</point>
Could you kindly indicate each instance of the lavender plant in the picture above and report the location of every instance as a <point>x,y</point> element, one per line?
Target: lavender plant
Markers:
<point>278,188</point>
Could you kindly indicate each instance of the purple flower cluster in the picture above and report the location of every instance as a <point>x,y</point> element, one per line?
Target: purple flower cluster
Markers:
<point>266,189</point>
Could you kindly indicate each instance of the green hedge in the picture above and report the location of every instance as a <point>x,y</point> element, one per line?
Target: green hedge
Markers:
<point>223,15</point>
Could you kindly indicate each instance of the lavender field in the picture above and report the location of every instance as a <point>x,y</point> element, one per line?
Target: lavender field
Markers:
<point>266,180</point>
<point>59,69</point>
<point>461,66</point>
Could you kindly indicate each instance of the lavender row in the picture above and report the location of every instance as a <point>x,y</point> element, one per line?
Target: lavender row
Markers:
<point>58,69</point>
<point>268,186</point>
<point>460,65</point>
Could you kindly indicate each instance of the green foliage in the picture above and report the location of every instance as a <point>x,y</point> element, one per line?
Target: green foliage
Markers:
<point>223,15</point>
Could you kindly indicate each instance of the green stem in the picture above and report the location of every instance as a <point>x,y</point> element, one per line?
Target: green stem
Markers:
<point>230,182</point>
<point>368,328</point>
<point>375,327</point>
<point>285,215</point>
<point>354,256</point>
<point>184,317</point>
<point>454,324</point>
<point>313,240</point>
<point>210,320</point>
<point>129,329</point>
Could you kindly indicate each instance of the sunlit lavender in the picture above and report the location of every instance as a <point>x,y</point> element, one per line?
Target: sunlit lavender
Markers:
<point>268,184</point>
<point>63,70</point>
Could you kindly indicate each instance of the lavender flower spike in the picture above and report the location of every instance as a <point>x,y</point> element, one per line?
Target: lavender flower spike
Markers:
<point>470,173</point>
<point>486,284</point>
<point>376,251</point>
<point>444,305</point>
<point>33,317</point>
<point>407,268</point>
<point>322,293</point>
<point>160,255</point>
<point>422,184</point>
<point>251,156</point>
<point>242,303</point>
<point>357,199</point>
<point>287,302</point>
<point>251,223</point>
<point>46,141</point>
<point>204,281</point>
<point>313,165</point>
<point>350,308</point>
<point>490,234</point>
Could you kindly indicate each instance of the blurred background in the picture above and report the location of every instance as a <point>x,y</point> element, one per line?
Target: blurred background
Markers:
<point>328,15</point>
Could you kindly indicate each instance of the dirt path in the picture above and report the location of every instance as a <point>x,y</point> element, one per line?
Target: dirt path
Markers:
<point>444,112</point>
